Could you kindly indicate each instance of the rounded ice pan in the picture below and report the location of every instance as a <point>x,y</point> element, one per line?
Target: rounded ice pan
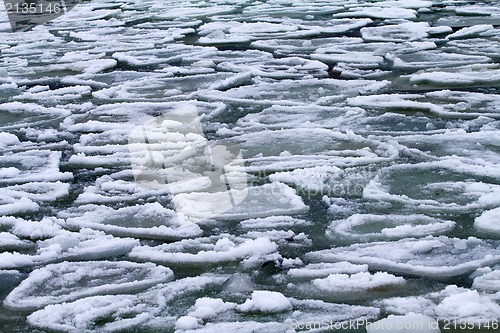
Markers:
<point>171,153</point>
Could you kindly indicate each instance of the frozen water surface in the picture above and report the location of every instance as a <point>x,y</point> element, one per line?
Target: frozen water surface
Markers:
<point>251,166</point>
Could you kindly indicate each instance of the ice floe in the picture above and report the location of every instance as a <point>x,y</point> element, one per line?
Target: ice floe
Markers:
<point>273,222</point>
<point>286,92</point>
<point>272,199</point>
<point>11,206</point>
<point>488,222</point>
<point>266,302</point>
<point>453,305</point>
<point>155,308</point>
<point>409,31</point>
<point>369,227</point>
<point>85,245</point>
<point>32,166</point>
<point>379,13</point>
<point>471,76</point>
<point>429,256</point>
<point>69,281</point>
<point>84,315</point>
<point>476,30</point>
<point>463,191</point>
<point>489,282</point>
<point>204,251</point>
<point>317,147</point>
<point>322,270</point>
<point>362,281</point>
<point>150,220</point>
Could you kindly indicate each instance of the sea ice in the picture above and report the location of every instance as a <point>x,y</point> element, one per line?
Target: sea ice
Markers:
<point>488,222</point>
<point>266,302</point>
<point>150,220</point>
<point>474,31</point>
<point>322,270</point>
<point>273,222</point>
<point>357,282</point>
<point>69,281</point>
<point>460,306</point>
<point>369,227</point>
<point>403,32</point>
<point>272,199</point>
<point>378,13</point>
<point>463,190</point>
<point>489,282</point>
<point>469,76</point>
<point>307,148</point>
<point>203,251</point>
<point>85,245</point>
<point>155,308</point>
<point>436,257</point>
<point>84,315</point>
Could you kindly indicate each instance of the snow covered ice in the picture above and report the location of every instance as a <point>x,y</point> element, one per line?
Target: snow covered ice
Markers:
<point>251,166</point>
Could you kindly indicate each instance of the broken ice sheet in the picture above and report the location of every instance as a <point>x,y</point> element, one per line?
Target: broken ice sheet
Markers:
<point>263,302</point>
<point>34,165</point>
<point>487,75</point>
<point>153,309</point>
<point>292,92</point>
<point>10,242</point>
<point>273,222</point>
<point>300,47</point>
<point>194,11</point>
<point>408,31</point>
<point>68,281</point>
<point>214,33</point>
<point>303,148</point>
<point>487,223</point>
<point>327,180</point>
<point>120,311</point>
<point>370,227</point>
<point>456,304</point>
<point>121,187</point>
<point>15,206</point>
<point>357,282</point>
<point>437,257</point>
<point>443,103</point>
<point>272,199</point>
<point>283,238</point>
<point>378,13</point>
<point>474,147</point>
<point>161,57</point>
<point>204,251</point>
<point>322,270</point>
<point>295,9</point>
<point>46,228</point>
<point>466,187</point>
<point>475,46</point>
<point>38,191</point>
<point>150,220</point>
<point>433,59</point>
<point>479,30</point>
<point>56,95</point>
<point>289,68</point>
<point>85,245</point>
<point>283,117</point>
